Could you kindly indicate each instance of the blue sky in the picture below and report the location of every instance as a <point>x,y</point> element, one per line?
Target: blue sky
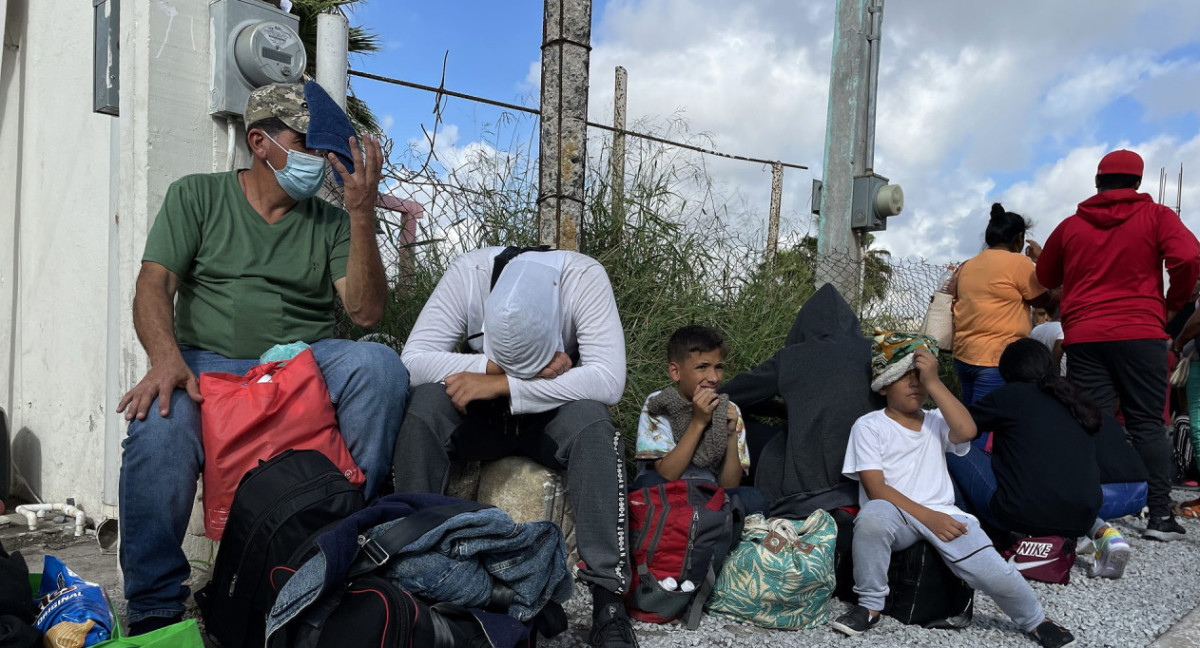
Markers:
<point>1010,101</point>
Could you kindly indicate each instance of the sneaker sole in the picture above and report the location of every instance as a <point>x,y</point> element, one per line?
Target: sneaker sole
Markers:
<point>845,629</point>
<point>1163,536</point>
<point>1115,567</point>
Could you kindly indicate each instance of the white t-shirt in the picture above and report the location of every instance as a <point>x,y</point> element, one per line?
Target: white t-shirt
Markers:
<point>1047,333</point>
<point>913,463</point>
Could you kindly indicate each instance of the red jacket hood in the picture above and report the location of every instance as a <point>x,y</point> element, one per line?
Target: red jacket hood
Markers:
<point>1111,208</point>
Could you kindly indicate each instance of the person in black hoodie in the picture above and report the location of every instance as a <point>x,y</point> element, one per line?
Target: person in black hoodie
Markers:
<point>822,378</point>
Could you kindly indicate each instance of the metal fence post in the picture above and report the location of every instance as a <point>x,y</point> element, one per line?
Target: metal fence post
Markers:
<point>773,222</point>
<point>618,149</point>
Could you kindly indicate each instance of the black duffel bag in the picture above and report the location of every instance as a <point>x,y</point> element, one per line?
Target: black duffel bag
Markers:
<point>925,592</point>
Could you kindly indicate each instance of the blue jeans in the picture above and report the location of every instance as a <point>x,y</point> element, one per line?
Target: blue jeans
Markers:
<point>164,457</point>
<point>976,381</point>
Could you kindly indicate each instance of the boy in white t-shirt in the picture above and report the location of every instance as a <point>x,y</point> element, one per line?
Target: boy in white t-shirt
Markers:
<point>1050,333</point>
<point>897,454</point>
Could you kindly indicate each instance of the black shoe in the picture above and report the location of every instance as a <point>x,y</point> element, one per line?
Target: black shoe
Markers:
<point>856,621</point>
<point>150,624</point>
<point>1164,529</point>
<point>1051,635</point>
<point>611,628</point>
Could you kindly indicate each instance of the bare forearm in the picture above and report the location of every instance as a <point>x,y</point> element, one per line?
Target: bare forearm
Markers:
<point>154,322</point>
<point>889,494</point>
<point>731,469</point>
<point>672,465</point>
<point>366,284</point>
<point>962,426</point>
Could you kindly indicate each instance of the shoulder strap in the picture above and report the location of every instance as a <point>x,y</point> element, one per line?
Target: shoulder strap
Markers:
<point>509,254</point>
<point>374,553</point>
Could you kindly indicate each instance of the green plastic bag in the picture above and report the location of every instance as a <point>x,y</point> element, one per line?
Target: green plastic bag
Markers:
<point>184,634</point>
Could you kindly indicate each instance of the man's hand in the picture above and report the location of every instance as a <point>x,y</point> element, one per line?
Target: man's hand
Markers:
<point>159,382</point>
<point>1033,250</point>
<point>943,526</point>
<point>465,387</point>
<point>704,401</point>
<point>557,366</point>
<point>362,186</point>
<point>926,366</point>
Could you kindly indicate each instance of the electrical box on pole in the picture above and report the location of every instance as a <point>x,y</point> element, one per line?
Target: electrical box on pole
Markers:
<point>254,44</point>
<point>872,201</point>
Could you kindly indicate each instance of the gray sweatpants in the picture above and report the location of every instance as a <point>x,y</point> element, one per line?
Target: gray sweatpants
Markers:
<point>881,528</point>
<point>578,436</point>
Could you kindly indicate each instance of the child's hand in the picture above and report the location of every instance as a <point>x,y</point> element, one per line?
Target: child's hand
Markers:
<point>731,417</point>
<point>926,366</point>
<point>704,401</point>
<point>943,526</point>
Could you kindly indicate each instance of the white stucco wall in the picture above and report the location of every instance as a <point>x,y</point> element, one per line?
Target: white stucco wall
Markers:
<point>78,192</point>
<point>55,170</point>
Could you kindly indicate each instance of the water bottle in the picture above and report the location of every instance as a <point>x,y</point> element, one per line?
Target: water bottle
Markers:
<point>669,584</point>
<point>943,281</point>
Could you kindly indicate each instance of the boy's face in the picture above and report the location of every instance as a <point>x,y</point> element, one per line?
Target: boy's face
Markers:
<point>1040,316</point>
<point>906,395</point>
<point>700,369</point>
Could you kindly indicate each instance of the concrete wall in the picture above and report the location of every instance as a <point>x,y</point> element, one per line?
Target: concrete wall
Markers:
<point>78,192</point>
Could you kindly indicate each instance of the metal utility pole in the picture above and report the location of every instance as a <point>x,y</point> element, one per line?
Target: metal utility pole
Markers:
<point>566,48</point>
<point>849,139</point>
<point>333,33</point>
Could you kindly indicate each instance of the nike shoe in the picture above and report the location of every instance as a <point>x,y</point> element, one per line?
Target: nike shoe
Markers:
<point>1112,554</point>
<point>1164,528</point>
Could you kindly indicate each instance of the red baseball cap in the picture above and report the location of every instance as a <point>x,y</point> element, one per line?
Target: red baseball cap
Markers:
<point>1122,161</point>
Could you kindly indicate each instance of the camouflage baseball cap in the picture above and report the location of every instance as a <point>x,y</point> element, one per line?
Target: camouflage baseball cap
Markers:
<point>284,101</point>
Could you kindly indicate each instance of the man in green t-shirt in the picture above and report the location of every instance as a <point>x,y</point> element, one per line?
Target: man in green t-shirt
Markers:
<point>236,263</point>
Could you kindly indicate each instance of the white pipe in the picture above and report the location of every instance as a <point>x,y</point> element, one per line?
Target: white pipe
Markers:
<point>333,42</point>
<point>34,511</point>
<point>231,143</point>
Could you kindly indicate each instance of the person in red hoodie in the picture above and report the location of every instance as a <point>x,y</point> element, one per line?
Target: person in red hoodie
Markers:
<point>1108,258</point>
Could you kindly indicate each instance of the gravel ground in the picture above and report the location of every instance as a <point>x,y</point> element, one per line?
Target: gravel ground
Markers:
<point>1158,589</point>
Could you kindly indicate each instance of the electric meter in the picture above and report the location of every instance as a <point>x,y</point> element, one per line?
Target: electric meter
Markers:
<point>254,44</point>
<point>268,52</point>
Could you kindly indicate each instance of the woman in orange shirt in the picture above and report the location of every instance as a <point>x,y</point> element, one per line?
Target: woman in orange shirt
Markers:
<point>996,289</point>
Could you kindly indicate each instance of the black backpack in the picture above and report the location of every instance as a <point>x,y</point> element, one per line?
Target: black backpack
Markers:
<point>278,510</point>
<point>925,592</point>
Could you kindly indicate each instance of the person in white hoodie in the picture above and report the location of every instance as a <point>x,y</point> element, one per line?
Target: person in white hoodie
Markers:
<point>520,352</point>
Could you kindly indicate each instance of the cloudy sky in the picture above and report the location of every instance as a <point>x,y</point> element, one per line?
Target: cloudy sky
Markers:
<point>979,102</point>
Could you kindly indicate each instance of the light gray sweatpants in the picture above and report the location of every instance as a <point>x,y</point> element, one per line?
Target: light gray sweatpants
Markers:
<point>881,528</point>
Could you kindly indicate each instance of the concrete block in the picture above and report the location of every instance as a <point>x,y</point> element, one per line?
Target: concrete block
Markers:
<point>528,491</point>
<point>464,480</point>
<point>196,521</point>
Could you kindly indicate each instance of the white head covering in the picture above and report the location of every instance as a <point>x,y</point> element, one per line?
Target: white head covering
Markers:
<point>522,317</point>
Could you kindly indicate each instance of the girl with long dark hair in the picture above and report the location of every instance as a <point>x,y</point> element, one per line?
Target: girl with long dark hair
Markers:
<point>1042,477</point>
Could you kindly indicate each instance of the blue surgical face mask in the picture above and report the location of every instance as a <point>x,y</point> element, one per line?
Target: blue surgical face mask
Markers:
<point>303,174</point>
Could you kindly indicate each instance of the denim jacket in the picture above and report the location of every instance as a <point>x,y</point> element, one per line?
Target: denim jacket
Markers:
<point>455,562</point>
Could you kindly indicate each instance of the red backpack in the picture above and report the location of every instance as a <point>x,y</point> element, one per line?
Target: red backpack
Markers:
<point>681,530</point>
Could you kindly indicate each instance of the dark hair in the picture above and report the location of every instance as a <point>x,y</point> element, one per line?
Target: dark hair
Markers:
<point>271,126</point>
<point>1005,227</point>
<point>1029,361</point>
<point>694,337</point>
<point>1110,181</point>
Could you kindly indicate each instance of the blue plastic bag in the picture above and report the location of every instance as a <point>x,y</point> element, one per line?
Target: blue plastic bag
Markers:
<point>67,603</point>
